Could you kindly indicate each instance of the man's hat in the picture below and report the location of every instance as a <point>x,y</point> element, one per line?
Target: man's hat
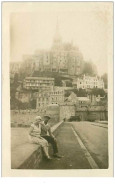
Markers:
<point>47,116</point>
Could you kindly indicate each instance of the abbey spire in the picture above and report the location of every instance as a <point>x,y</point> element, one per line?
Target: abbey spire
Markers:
<point>57,41</point>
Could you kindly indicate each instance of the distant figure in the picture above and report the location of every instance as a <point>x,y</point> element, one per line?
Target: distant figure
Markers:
<point>35,131</point>
<point>64,119</point>
<point>50,138</point>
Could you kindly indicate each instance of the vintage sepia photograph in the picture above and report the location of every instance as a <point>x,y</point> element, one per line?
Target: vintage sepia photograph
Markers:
<point>59,64</point>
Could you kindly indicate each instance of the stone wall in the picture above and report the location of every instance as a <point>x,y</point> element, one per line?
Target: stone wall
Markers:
<point>99,115</point>
<point>66,111</point>
<point>53,110</point>
<point>34,160</point>
<point>100,112</point>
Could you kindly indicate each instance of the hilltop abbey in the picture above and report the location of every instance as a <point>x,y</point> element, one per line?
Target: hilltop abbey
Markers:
<point>62,57</point>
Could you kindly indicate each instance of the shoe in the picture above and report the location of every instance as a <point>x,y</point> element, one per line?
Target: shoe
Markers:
<point>48,158</point>
<point>57,156</point>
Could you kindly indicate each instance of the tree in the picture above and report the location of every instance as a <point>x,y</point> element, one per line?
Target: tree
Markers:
<point>89,68</point>
<point>13,86</point>
<point>97,91</point>
<point>68,84</point>
<point>79,93</point>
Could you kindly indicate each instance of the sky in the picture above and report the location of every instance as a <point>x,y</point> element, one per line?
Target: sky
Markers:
<point>86,26</point>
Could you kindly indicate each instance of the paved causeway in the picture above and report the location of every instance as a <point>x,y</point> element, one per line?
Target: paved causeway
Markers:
<point>83,144</point>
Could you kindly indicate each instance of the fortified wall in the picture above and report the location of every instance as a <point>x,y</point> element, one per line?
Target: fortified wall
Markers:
<point>100,112</point>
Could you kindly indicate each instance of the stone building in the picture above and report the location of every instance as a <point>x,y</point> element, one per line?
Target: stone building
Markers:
<point>61,57</point>
<point>42,100</point>
<point>36,83</point>
<point>53,96</point>
<point>88,82</point>
<point>78,101</point>
<point>83,101</point>
<point>57,95</point>
<point>72,98</point>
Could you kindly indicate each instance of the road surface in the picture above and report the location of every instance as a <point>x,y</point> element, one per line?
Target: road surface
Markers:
<point>95,137</point>
<point>83,144</point>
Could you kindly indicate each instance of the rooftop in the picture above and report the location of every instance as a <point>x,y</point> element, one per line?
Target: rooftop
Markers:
<point>83,98</point>
<point>39,78</point>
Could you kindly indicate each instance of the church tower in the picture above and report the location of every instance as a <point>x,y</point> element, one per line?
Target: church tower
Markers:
<point>57,41</point>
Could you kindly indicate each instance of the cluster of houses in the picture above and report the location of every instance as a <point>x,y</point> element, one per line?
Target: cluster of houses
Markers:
<point>44,92</point>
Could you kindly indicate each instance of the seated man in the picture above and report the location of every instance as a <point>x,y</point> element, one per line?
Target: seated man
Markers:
<point>45,129</point>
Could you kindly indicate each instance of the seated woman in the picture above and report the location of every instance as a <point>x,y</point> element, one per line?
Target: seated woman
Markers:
<point>35,131</point>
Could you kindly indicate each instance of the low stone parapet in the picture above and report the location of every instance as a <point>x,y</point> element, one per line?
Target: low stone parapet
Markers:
<point>28,155</point>
<point>23,155</point>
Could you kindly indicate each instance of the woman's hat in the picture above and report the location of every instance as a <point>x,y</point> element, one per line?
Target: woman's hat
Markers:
<point>38,118</point>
